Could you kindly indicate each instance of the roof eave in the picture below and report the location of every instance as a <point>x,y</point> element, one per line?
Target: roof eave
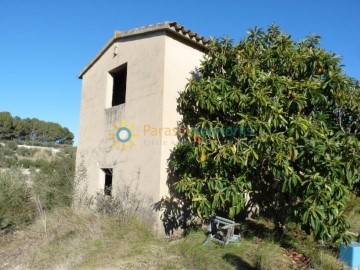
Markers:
<point>97,57</point>
<point>172,27</point>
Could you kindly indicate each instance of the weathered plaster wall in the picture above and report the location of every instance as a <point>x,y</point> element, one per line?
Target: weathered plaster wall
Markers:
<point>180,61</point>
<point>158,66</point>
<point>145,70</point>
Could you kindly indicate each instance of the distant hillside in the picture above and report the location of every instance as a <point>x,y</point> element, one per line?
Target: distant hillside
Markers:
<point>33,130</point>
<point>16,156</point>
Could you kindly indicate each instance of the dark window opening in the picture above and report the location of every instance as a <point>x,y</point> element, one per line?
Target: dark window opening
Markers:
<point>108,181</point>
<point>119,85</point>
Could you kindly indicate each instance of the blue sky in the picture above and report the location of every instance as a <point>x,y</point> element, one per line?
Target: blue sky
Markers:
<point>45,44</point>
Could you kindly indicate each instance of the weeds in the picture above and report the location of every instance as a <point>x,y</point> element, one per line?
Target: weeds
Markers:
<point>54,184</point>
<point>80,197</point>
<point>127,203</point>
<point>16,207</point>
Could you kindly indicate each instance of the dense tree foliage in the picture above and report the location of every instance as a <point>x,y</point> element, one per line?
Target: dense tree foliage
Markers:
<point>274,123</point>
<point>35,130</point>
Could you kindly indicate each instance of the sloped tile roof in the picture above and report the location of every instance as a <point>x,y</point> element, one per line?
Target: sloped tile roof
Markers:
<point>172,27</point>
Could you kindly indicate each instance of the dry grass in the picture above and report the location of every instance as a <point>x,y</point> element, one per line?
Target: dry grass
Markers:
<point>270,257</point>
<point>353,213</point>
<point>84,240</point>
<point>40,154</point>
<point>34,248</point>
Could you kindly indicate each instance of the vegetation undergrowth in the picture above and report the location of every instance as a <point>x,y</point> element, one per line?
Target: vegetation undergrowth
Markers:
<point>16,206</point>
<point>82,239</point>
<point>41,230</point>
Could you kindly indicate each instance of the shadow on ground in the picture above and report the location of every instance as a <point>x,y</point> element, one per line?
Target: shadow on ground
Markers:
<point>237,262</point>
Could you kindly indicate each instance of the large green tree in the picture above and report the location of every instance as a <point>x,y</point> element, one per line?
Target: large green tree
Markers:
<point>5,125</point>
<point>274,123</point>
